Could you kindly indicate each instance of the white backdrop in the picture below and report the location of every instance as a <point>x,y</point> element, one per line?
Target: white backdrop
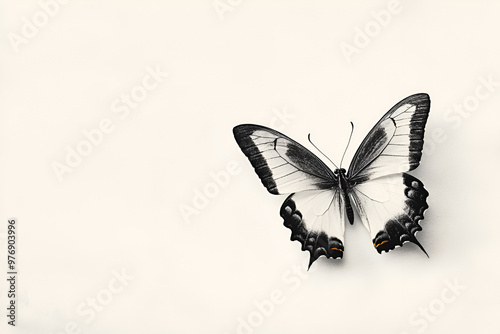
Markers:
<point>138,213</point>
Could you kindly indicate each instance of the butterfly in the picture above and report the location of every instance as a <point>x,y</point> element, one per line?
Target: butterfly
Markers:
<point>389,201</point>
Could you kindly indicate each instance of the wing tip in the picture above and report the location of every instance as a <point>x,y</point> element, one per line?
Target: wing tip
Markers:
<point>418,96</point>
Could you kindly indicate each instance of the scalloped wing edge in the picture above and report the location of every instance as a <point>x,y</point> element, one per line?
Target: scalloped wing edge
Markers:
<point>404,227</point>
<point>317,243</point>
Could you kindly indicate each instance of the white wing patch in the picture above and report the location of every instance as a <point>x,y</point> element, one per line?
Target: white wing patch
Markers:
<point>322,211</point>
<point>378,201</point>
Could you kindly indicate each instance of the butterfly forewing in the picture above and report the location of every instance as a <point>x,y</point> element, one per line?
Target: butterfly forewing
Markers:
<point>395,143</point>
<point>283,165</point>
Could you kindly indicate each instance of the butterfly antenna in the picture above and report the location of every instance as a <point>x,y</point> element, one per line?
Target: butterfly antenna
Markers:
<point>350,136</point>
<point>309,138</point>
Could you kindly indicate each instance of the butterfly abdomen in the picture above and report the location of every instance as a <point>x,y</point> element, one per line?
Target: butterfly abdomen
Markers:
<point>348,207</point>
<point>345,186</point>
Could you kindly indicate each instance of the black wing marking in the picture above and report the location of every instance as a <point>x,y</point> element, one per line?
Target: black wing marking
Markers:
<point>283,165</point>
<point>391,207</point>
<point>395,143</point>
<point>317,220</point>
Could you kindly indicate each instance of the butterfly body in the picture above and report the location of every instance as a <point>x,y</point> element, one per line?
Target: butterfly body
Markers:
<point>389,201</point>
<point>346,186</point>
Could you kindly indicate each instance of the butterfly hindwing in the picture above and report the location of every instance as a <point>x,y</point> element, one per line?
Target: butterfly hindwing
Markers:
<point>283,165</point>
<point>317,220</point>
<point>390,208</point>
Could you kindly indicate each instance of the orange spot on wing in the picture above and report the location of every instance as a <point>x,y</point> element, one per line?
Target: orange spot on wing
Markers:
<point>337,249</point>
<point>383,242</point>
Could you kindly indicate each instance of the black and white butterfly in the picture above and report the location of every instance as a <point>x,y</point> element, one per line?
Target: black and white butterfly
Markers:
<point>389,201</point>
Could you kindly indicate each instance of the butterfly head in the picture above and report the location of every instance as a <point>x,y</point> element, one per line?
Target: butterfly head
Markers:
<point>339,171</point>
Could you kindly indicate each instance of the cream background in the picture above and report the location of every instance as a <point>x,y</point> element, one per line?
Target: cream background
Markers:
<point>120,208</point>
